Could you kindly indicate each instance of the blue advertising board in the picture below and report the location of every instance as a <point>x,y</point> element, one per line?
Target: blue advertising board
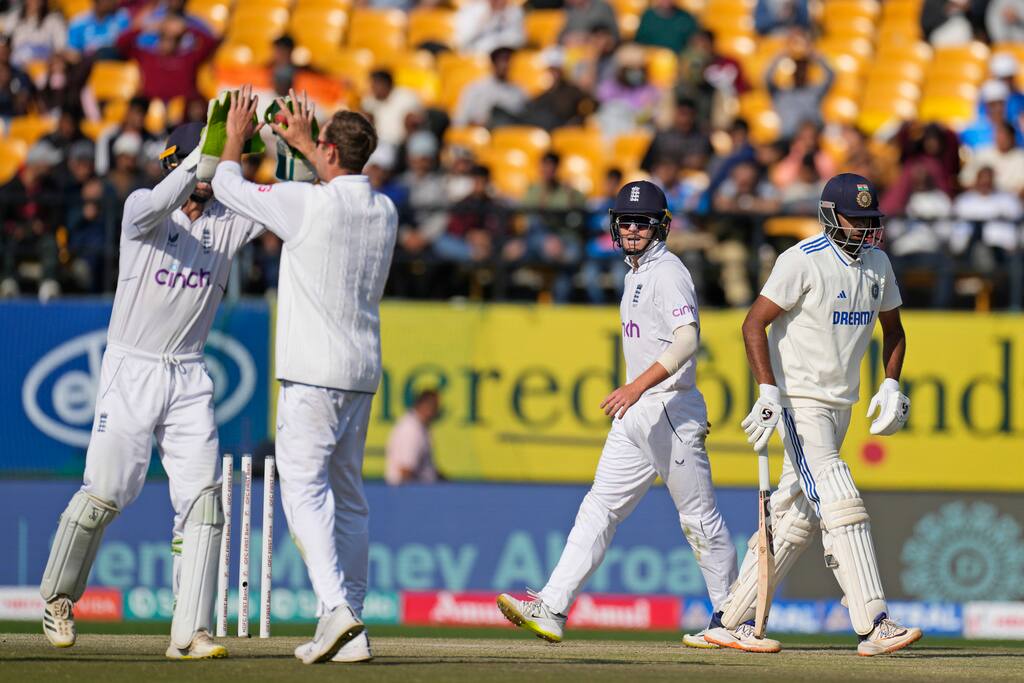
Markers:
<point>51,365</point>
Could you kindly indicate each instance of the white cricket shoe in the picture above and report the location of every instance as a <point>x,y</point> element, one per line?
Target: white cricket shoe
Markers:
<point>887,636</point>
<point>697,640</point>
<point>333,631</point>
<point>59,622</point>
<point>742,638</point>
<point>201,647</point>
<point>355,650</point>
<point>534,616</point>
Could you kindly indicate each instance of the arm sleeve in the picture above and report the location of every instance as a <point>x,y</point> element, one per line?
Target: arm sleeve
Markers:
<point>146,209</point>
<point>891,291</point>
<point>280,207</point>
<point>683,346</point>
<point>788,282</point>
<point>675,300</point>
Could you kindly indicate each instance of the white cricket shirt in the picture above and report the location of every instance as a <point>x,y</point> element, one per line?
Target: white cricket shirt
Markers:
<point>658,298</point>
<point>831,303</point>
<point>173,272</point>
<point>338,241</point>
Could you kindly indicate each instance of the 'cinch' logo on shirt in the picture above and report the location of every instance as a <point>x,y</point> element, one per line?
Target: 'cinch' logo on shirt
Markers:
<point>166,278</point>
<point>852,317</point>
<point>683,310</point>
<point>630,329</point>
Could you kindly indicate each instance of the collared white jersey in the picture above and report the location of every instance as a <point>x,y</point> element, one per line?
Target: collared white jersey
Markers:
<point>831,302</point>
<point>173,272</point>
<point>658,298</point>
<point>338,241</point>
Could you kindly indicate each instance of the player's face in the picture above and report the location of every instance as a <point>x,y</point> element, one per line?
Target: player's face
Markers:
<point>202,193</point>
<point>636,232</point>
<point>859,229</point>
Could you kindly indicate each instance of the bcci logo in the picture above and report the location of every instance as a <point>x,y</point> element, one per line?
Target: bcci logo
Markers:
<point>863,196</point>
<point>874,291</point>
<point>965,551</point>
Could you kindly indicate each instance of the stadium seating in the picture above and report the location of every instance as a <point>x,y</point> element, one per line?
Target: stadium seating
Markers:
<point>431,26</point>
<point>112,80</point>
<point>12,154</point>
<point>214,14</point>
<point>543,26</point>
<point>456,72</point>
<point>30,128</point>
<point>382,32</point>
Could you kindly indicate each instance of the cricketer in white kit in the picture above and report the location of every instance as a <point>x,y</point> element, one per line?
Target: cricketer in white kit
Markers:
<point>822,300</point>
<point>338,236</point>
<point>177,242</point>
<point>659,425</point>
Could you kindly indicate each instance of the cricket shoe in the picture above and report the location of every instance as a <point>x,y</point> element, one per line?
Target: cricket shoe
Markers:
<point>355,650</point>
<point>534,616</point>
<point>335,628</point>
<point>887,636</point>
<point>59,622</point>
<point>201,647</point>
<point>742,638</point>
<point>698,641</point>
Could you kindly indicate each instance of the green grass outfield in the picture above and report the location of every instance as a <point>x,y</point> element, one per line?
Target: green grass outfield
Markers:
<point>111,653</point>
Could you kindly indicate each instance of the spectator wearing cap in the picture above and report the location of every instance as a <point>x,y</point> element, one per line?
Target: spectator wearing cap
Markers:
<point>35,30</point>
<point>994,95</point>
<point>125,176</point>
<point>683,138</point>
<point>1004,67</point>
<point>95,32</point>
<point>29,215</point>
<point>778,16</point>
<point>628,99</point>
<point>1004,21</point>
<point>134,121</point>
<point>1005,158</point>
<point>801,101</point>
<point>664,24</point>
<point>946,22</point>
<point>169,68</point>
<point>481,26</point>
<point>582,16</point>
<point>389,106</point>
<point>563,103</point>
<point>427,218</point>
<point>491,100</point>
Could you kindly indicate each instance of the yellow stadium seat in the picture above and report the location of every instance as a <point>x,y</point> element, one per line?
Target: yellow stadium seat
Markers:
<point>72,8</point>
<point>89,128</point>
<point>909,10</point>
<point>975,53</point>
<point>955,112</point>
<point>328,93</point>
<point>955,71</point>
<point>896,32</point>
<point>458,71</point>
<point>838,11</point>
<point>256,26</point>
<point>431,26</point>
<point>753,102</point>
<point>857,48</point>
<point>895,70</point>
<point>879,87</point>
<point>764,127</point>
<point>510,181</point>
<point>662,66</point>
<point>350,64</point>
<point>728,16</point>
<point>175,110</point>
<point>112,80</point>
<point>530,140</point>
<point>581,173</point>
<point>628,149</point>
<point>528,71</point>
<point>231,55</point>
<point>512,170</point>
<point>579,141</point>
<point>114,111</point>
<point>473,138</point>
<point>542,27</point>
<point>738,46</point>
<point>630,6</point>
<point>852,27</point>
<point>318,29</point>
<point>156,117</point>
<point>30,128</point>
<point>417,71</point>
<point>332,4</point>
<point>12,155</point>
<point>261,5</point>
<point>796,227</point>
<point>918,52</point>
<point>950,89</point>
<point>839,109</point>
<point>382,32</point>
<point>876,114</point>
<point>694,7</point>
<point>214,14</point>
<point>235,77</point>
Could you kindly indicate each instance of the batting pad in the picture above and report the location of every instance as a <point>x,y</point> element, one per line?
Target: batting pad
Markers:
<point>849,551</point>
<point>74,547</point>
<point>792,533</point>
<point>200,551</point>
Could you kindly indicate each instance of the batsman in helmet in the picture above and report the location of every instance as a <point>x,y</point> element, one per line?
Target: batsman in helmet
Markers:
<point>659,425</point>
<point>822,301</point>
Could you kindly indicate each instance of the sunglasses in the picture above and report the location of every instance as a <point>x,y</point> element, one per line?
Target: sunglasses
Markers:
<point>638,220</point>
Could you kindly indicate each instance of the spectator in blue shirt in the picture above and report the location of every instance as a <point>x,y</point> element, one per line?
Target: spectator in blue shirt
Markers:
<point>94,33</point>
<point>150,35</point>
<point>778,16</point>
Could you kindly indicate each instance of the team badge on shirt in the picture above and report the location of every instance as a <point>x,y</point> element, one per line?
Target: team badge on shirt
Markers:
<point>172,239</point>
<point>874,291</point>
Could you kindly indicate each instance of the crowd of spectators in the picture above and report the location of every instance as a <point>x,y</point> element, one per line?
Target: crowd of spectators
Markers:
<point>954,196</point>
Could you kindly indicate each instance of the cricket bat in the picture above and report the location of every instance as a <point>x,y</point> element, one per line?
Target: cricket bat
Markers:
<point>765,547</point>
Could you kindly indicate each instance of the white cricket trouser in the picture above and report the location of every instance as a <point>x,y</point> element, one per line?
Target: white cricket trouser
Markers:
<point>321,435</point>
<point>141,395</point>
<point>661,435</point>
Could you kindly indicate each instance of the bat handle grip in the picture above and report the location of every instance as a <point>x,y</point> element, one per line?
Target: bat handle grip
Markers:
<point>764,481</point>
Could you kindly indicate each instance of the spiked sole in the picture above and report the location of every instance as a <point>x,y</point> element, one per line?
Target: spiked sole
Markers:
<point>513,615</point>
<point>893,648</point>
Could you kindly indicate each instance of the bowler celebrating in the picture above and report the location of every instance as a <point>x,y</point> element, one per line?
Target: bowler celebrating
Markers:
<point>822,300</point>
<point>338,236</point>
<point>177,242</point>
<point>659,425</point>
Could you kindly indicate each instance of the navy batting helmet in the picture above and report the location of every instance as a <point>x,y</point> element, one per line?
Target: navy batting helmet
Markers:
<point>180,144</point>
<point>641,203</point>
<point>851,196</point>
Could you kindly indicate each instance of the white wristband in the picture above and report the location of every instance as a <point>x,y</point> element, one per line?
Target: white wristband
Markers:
<point>770,392</point>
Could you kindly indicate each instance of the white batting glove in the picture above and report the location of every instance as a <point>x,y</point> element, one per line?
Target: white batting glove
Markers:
<point>764,416</point>
<point>893,407</point>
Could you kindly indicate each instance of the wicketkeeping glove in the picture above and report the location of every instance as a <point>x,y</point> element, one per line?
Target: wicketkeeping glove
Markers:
<point>893,406</point>
<point>291,163</point>
<point>215,136</point>
<point>764,416</point>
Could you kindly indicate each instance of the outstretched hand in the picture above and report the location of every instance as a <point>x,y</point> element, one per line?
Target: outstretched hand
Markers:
<point>295,127</point>
<point>241,123</point>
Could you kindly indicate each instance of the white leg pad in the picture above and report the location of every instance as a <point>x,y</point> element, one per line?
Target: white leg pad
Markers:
<point>74,547</point>
<point>792,533</point>
<point>200,552</point>
<point>849,551</point>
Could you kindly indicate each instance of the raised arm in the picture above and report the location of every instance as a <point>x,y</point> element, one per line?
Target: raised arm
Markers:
<point>146,209</point>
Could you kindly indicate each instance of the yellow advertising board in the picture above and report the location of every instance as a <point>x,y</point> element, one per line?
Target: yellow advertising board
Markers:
<point>520,388</point>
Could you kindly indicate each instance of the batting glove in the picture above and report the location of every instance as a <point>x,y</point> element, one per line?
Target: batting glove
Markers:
<point>763,417</point>
<point>893,407</point>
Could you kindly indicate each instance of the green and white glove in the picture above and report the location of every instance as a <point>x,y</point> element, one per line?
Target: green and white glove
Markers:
<point>291,163</point>
<point>215,136</point>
